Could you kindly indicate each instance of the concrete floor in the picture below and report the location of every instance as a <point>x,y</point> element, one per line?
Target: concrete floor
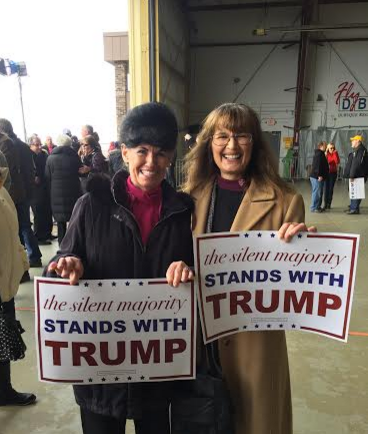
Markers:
<point>329,379</point>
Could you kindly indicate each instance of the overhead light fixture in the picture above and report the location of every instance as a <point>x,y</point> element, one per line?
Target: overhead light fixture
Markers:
<point>310,28</point>
<point>259,32</point>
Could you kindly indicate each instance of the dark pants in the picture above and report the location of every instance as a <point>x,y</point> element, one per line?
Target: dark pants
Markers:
<point>5,381</point>
<point>26,235</point>
<point>61,231</point>
<point>42,224</point>
<point>152,423</point>
<point>329,187</point>
<point>355,204</point>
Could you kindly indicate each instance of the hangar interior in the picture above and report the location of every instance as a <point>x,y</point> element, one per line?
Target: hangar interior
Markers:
<point>306,86</point>
<point>300,64</point>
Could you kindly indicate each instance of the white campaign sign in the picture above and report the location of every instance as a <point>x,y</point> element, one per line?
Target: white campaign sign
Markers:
<point>115,331</point>
<point>252,281</point>
<point>356,188</point>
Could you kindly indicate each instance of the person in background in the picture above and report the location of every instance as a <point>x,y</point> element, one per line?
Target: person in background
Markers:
<point>135,226</point>
<point>75,144</point>
<point>112,147</point>
<point>14,264</point>
<point>49,145</point>
<point>4,165</point>
<point>115,160</point>
<point>356,167</point>
<point>25,192</point>
<point>67,132</point>
<point>86,130</point>
<point>333,160</point>
<point>62,175</point>
<point>92,159</point>
<point>232,175</point>
<point>41,206</point>
<point>318,176</point>
<point>9,152</point>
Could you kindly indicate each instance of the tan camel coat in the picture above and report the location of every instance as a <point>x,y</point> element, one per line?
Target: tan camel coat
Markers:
<point>255,364</point>
<point>13,258</point>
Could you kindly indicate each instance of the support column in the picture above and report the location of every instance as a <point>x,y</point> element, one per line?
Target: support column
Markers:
<point>121,91</point>
<point>302,59</point>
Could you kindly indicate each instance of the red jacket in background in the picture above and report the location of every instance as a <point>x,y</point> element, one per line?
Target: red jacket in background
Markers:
<point>333,161</point>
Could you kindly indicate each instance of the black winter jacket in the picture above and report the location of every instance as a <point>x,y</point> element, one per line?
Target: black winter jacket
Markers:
<point>63,180</point>
<point>357,164</point>
<point>104,234</point>
<point>11,153</point>
<point>27,168</point>
<point>319,165</point>
<point>41,191</point>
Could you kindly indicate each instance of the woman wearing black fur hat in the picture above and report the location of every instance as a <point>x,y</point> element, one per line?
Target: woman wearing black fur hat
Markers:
<point>136,227</point>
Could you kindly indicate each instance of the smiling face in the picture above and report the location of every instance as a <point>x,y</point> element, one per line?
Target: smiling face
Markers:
<point>147,165</point>
<point>232,158</point>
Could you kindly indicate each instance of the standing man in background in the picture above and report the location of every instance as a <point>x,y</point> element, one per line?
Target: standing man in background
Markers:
<point>318,175</point>
<point>23,203</point>
<point>41,205</point>
<point>49,145</point>
<point>356,167</point>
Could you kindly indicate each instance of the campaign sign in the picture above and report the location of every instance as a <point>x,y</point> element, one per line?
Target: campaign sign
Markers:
<point>252,281</point>
<point>357,188</point>
<point>114,331</point>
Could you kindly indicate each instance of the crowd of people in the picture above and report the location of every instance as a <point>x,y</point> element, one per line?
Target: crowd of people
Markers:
<point>49,178</point>
<point>120,218</point>
<point>325,166</point>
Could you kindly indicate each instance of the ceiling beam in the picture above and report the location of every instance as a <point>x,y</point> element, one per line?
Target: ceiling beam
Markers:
<point>241,44</point>
<point>271,4</point>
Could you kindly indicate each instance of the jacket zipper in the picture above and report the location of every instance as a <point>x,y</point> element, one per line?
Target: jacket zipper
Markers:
<point>144,248</point>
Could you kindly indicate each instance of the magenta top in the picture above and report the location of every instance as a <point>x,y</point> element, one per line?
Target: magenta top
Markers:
<point>225,184</point>
<point>146,207</point>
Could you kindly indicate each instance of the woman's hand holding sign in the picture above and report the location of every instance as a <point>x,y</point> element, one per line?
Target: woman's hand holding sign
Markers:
<point>68,267</point>
<point>289,230</point>
<point>178,272</point>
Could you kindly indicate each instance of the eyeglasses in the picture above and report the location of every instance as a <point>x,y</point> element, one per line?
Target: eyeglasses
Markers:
<point>222,139</point>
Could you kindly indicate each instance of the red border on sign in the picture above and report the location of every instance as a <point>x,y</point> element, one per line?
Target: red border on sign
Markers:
<point>39,332</point>
<point>211,237</point>
<point>193,331</point>
<point>350,286</point>
<point>192,349</point>
<point>349,289</point>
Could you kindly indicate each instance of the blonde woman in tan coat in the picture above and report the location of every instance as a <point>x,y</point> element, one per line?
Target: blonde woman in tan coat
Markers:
<point>13,263</point>
<point>232,176</point>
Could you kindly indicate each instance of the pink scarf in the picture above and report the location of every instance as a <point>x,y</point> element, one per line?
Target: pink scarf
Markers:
<point>146,207</point>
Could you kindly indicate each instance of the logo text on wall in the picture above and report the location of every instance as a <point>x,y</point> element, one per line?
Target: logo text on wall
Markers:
<point>349,102</point>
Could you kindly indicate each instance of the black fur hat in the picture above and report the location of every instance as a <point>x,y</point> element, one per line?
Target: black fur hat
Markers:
<point>152,123</point>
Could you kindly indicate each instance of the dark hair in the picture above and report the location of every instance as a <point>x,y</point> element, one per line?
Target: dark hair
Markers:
<point>6,127</point>
<point>200,166</point>
<point>152,123</point>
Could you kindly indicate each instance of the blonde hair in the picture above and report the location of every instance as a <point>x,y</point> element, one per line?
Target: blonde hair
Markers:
<point>199,165</point>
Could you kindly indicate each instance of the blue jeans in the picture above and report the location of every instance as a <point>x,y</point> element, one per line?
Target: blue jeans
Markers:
<point>317,188</point>
<point>355,204</point>
<point>26,235</point>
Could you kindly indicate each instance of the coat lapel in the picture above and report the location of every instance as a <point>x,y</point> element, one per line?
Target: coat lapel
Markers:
<point>257,202</point>
<point>202,204</point>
